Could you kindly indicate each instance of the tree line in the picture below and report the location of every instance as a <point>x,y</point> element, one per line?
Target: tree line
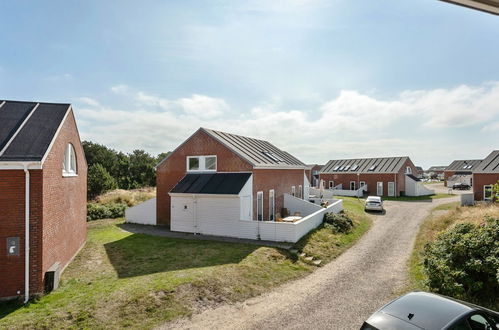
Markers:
<point>109,169</point>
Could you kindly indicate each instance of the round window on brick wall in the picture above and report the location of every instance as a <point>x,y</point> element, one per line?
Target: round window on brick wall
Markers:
<point>69,163</point>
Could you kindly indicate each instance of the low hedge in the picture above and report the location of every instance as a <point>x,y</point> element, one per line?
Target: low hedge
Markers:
<point>463,262</point>
<point>338,222</point>
<point>96,211</point>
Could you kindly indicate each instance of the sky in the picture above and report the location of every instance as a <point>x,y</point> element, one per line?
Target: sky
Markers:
<point>320,79</point>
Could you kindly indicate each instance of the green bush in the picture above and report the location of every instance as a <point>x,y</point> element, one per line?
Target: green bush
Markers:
<point>97,211</point>
<point>99,181</point>
<point>338,222</point>
<point>463,262</point>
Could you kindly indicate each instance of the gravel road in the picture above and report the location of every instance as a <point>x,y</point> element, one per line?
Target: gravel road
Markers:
<point>340,295</point>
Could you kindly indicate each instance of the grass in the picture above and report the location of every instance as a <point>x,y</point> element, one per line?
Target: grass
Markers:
<point>121,279</point>
<point>434,224</point>
<point>418,198</point>
<point>129,197</point>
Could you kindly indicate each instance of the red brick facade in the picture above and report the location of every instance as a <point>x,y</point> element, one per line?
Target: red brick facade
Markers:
<point>279,180</point>
<point>174,168</point>
<point>483,179</point>
<point>371,180</point>
<point>57,215</point>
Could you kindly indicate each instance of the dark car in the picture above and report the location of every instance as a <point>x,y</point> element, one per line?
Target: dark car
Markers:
<point>428,311</point>
<point>461,186</point>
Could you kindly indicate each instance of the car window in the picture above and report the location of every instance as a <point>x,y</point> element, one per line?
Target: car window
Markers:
<point>367,326</point>
<point>461,326</point>
<point>478,322</point>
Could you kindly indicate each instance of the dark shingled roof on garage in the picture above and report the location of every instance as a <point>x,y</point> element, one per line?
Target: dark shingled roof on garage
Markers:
<point>27,128</point>
<point>212,183</point>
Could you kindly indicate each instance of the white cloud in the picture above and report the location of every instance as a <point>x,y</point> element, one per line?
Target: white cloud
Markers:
<point>350,125</point>
<point>120,89</point>
<point>203,106</point>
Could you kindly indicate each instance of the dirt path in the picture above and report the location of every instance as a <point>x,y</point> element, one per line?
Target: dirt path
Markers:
<point>342,294</point>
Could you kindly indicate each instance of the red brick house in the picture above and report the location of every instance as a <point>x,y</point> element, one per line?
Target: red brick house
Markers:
<point>485,175</point>
<point>43,187</point>
<point>236,176</point>
<point>460,171</point>
<point>380,176</point>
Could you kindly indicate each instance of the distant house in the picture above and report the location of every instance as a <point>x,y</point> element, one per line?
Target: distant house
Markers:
<point>460,171</point>
<point>313,174</point>
<point>419,172</point>
<point>436,172</point>
<point>485,175</point>
<point>388,176</point>
<point>222,184</point>
<point>43,195</point>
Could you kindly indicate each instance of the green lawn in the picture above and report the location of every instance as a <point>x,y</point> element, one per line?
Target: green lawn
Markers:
<point>419,198</point>
<point>121,279</point>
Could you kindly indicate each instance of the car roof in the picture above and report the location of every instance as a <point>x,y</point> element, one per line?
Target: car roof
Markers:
<point>429,311</point>
<point>377,198</point>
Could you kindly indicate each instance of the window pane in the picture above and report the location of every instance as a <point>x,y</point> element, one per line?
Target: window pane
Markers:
<point>194,163</point>
<point>211,163</point>
<point>271,205</point>
<point>479,322</point>
<point>259,206</point>
<point>72,159</point>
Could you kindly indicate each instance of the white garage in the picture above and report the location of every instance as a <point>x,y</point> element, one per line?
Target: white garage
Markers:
<point>212,204</point>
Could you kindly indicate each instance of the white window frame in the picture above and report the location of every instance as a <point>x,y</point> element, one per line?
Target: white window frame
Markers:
<point>392,184</point>
<point>259,206</point>
<point>202,163</point>
<point>377,188</point>
<point>331,184</point>
<point>68,162</point>
<point>408,170</point>
<point>485,187</point>
<point>293,191</point>
<point>300,191</point>
<point>271,205</point>
<point>354,184</point>
<point>362,184</point>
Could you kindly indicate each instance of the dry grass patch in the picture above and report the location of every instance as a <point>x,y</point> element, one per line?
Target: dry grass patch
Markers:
<point>128,197</point>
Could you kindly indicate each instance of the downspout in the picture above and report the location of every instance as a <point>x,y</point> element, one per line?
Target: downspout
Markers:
<point>26,233</point>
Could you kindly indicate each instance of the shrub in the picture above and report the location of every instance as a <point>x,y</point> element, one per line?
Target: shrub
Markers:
<point>463,262</point>
<point>99,180</point>
<point>97,211</point>
<point>338,222</point>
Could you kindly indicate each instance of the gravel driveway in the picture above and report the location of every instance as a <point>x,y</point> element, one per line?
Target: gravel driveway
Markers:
<point>340,295</point>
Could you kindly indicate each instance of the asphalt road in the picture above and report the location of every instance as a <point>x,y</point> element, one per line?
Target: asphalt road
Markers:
<point>340,295</point>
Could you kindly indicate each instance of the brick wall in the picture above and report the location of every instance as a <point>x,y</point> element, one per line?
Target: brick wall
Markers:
<point>171,171</point>
<point>12,224</point>
<point>480,180</point>
<point>64,200</point>
<point>279,180</point>
<point>57,215</point>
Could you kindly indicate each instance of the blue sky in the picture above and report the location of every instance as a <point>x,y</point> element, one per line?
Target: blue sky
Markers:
<point>320,79</point>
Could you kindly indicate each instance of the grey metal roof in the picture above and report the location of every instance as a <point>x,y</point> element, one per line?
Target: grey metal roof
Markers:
<point>468,165</point>
<point>27,128</point>
<point>365,165</point>
<point>212,183</point>
<point>489,164</point>
<point>419,168</point>
<point>259,153</point>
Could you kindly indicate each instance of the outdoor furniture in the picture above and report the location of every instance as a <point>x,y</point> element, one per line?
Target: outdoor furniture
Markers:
<point>291,219</point>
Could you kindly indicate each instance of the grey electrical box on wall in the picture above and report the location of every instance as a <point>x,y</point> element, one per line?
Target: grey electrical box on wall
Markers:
<point>12,246</point>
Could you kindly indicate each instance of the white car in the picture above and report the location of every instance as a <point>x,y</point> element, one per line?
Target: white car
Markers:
<point>374,203</point>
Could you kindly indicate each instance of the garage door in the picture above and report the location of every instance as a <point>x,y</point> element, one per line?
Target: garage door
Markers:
<point>218,216</point>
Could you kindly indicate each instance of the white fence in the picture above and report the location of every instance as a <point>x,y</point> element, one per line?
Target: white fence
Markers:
<point>144,213</point>
<point>329,193</point>
<point>416,188</point>
<point>288,232</point>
